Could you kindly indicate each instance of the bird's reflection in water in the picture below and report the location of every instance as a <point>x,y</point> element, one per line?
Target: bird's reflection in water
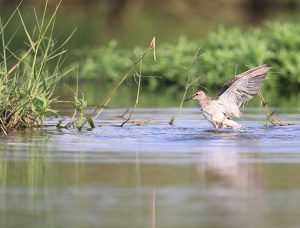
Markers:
<point>232,186</point>
<point>229,170</point>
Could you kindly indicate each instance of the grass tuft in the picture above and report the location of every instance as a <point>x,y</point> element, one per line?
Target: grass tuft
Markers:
<point>28,78</point>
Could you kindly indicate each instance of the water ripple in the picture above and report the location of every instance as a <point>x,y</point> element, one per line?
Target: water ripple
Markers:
<point>190,138</point>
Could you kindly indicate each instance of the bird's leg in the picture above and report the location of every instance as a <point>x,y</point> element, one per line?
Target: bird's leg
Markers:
<point>216,125</point>
<point>222,123</point>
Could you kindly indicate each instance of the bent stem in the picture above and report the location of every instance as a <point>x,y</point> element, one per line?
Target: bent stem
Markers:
<point>136,100</point>
<point>132,68</point>
<point>99,108</point>
<point>187,86</point>
<point>139,75</point>
<point>270,114</point>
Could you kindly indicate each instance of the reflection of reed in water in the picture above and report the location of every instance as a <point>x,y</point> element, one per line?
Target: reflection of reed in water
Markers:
<point>23,160</point>
<point>153,223</point>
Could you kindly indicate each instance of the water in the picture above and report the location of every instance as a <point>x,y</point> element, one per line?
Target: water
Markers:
<point>150,174</point>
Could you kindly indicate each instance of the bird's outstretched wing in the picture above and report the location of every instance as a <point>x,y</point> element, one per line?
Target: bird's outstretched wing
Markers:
<point>241,88</point>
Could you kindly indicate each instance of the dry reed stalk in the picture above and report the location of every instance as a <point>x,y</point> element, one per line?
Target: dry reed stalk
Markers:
<point>101,107</point>
<point>153,208</point>
<point>136,100</point>
<point>20,60</point>
<point>14,67</point>
<point>270,114</point>
<point>187,86</point>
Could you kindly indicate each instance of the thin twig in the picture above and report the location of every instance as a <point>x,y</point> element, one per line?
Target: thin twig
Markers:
<point>100,107</point>
<point>139,75</point>
<point>136,100</point>
<point>187,86</point>
<point>112,92</point>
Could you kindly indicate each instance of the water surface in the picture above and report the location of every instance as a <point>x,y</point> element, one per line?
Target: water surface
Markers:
<point>151,174</point>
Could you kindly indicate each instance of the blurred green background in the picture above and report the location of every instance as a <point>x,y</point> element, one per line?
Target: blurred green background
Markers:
<point>134,22</point>
<point>110,33</point>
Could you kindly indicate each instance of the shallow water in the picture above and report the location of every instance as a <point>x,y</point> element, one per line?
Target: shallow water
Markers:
<point>151,174</point>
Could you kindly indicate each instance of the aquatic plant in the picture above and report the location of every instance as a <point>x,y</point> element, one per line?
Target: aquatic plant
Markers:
<point>81,116</point>
<point>28,78</point>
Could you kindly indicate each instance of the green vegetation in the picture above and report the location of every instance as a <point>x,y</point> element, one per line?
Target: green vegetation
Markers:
<point>223,53</point>
<point>28,78</point>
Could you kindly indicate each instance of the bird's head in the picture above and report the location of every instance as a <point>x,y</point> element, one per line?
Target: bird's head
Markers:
<point>199,95</point>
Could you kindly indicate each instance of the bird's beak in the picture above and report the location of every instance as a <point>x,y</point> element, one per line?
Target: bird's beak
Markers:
<point>188,99</point>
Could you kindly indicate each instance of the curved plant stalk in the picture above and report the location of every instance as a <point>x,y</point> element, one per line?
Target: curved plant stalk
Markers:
<point>151,47</point>
<point>131,69</point>
<point>136,100</point>
<point>139,75</point>
<point>275,120</point>
<point>89,118</point>
<point>187,86</point>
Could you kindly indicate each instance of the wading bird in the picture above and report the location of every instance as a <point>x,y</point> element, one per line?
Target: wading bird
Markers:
<point>241,88</point>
